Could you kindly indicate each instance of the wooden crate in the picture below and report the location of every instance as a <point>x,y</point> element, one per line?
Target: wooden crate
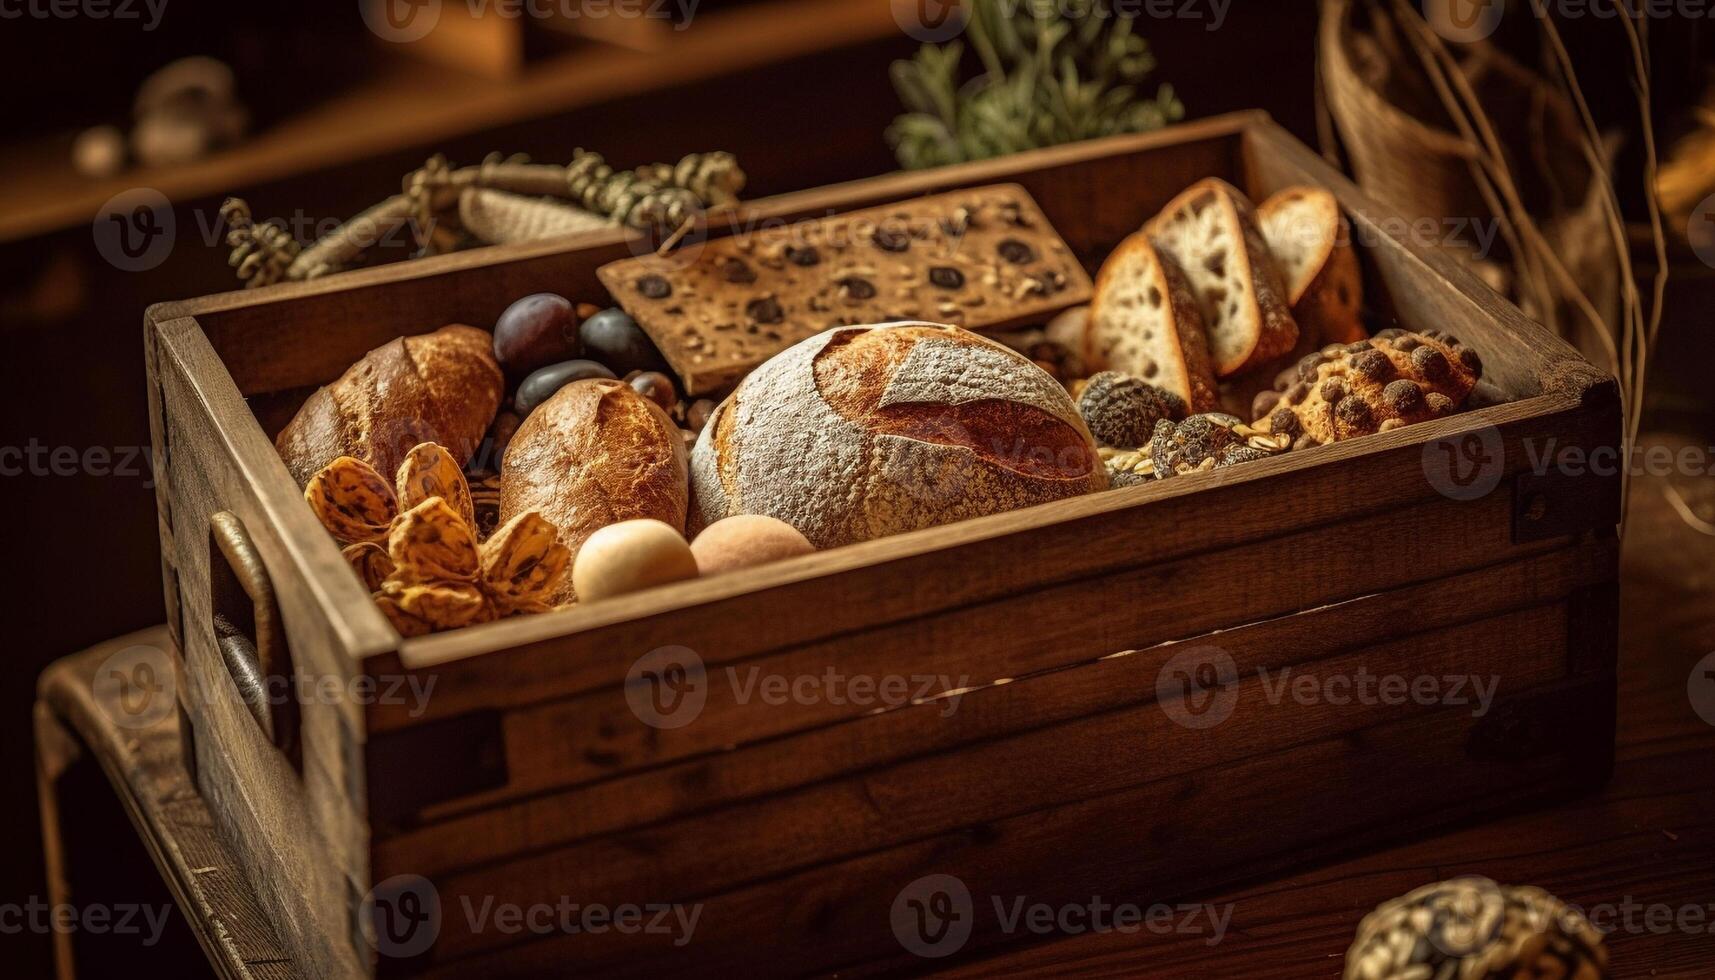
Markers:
<point>527,778</point>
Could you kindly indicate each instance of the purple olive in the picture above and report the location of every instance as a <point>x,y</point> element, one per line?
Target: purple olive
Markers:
<point>656,387</point>
<point>536,331</point>
<point>542,383</point>
<point>616,340</point>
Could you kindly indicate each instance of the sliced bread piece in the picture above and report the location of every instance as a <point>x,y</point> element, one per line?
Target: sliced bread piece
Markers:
<point>1312,244</point>
<point>1211,230</point>
<point>1145,322</point>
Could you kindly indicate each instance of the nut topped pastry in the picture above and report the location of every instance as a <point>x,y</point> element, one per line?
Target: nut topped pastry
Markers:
<point>1376,385</point>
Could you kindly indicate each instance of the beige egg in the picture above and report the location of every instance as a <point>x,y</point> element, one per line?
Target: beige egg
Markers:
<point>744,541</point>
<point>630,556</point>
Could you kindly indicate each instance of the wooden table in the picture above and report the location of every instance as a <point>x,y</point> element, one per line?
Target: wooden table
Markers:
<point>1639,853</point>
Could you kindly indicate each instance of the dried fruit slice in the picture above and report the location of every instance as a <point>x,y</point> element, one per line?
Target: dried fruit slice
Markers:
<point>522,564</point>
<point>352,501</point>
<point>431,543</point>
<point>428,471</point>
<point>419,609</point>
<point>371,562</point>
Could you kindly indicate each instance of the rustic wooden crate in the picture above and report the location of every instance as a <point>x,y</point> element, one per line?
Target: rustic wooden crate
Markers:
<point>528,777</point>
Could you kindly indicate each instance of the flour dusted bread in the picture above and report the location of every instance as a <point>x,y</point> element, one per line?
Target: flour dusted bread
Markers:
<point>442,387</point>
<point>595,454</point>
<point>1211,231</point>
<point>866,431</point>
<point>1312,244</point>
<point>1144,321</point>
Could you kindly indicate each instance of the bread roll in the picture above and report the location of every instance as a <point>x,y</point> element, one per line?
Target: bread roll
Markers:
<point>865,431</point>
<point>595,454</point>
<point>442,387</point>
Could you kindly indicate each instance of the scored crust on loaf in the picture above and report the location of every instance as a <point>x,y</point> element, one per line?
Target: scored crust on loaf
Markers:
<point>442,387</point>
<point>1145,322</point>
<point>862,432</point>
<point>1311,242</point>
<point>1211,231</point>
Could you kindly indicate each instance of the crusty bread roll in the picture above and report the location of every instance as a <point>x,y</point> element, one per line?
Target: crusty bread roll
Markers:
<point>1211,230</point>
<point>1312,244</point>
<point>442,387</point>
<point>865,431</point>
<point>595,454</point>
<point>1144,321</point>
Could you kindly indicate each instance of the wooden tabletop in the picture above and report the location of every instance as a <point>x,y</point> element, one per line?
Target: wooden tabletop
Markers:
<point>1640,857</point>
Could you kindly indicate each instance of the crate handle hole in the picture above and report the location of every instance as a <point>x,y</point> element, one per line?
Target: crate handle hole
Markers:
<point>245,618</point>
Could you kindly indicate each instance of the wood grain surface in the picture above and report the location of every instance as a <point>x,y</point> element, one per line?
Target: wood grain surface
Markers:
<point>1648,838</point>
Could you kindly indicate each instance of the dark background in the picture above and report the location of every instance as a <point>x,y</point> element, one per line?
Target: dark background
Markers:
<point>84,548</point>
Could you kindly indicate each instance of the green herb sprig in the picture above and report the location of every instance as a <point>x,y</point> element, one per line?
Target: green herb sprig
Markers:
<point>1054,71</point>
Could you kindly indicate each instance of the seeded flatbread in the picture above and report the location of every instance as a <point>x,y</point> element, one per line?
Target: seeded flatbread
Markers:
<point>984,258</point>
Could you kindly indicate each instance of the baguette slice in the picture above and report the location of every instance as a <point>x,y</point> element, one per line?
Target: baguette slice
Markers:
<point>1145,321</point>
<point>1211,230</point>
<point>1312,244</point>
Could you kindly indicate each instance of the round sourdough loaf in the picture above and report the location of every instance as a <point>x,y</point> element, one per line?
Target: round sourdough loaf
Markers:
<point>595,454</point>
<point>865,431</point>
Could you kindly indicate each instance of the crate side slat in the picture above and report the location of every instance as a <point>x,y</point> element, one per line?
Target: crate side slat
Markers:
<point>1161,842</point>
<point>729,618</point>
<point>983,714</point>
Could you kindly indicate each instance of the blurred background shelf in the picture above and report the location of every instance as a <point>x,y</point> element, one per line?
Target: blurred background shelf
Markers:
<point>410,101</point>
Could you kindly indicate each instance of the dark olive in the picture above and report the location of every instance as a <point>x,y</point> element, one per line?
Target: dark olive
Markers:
<point>1016,252</point>
<point>765,310</point>
<point>534,332</point>
<point>858,288</point>
<point>947,277</point>
<point>541,385</point>
<point>698,414</point>
<point>738,271</point>
<point>656,387</point>
<point>654,287</point>
<point>804,255</point>
<point>890,240</point>
<point>615,339</point>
